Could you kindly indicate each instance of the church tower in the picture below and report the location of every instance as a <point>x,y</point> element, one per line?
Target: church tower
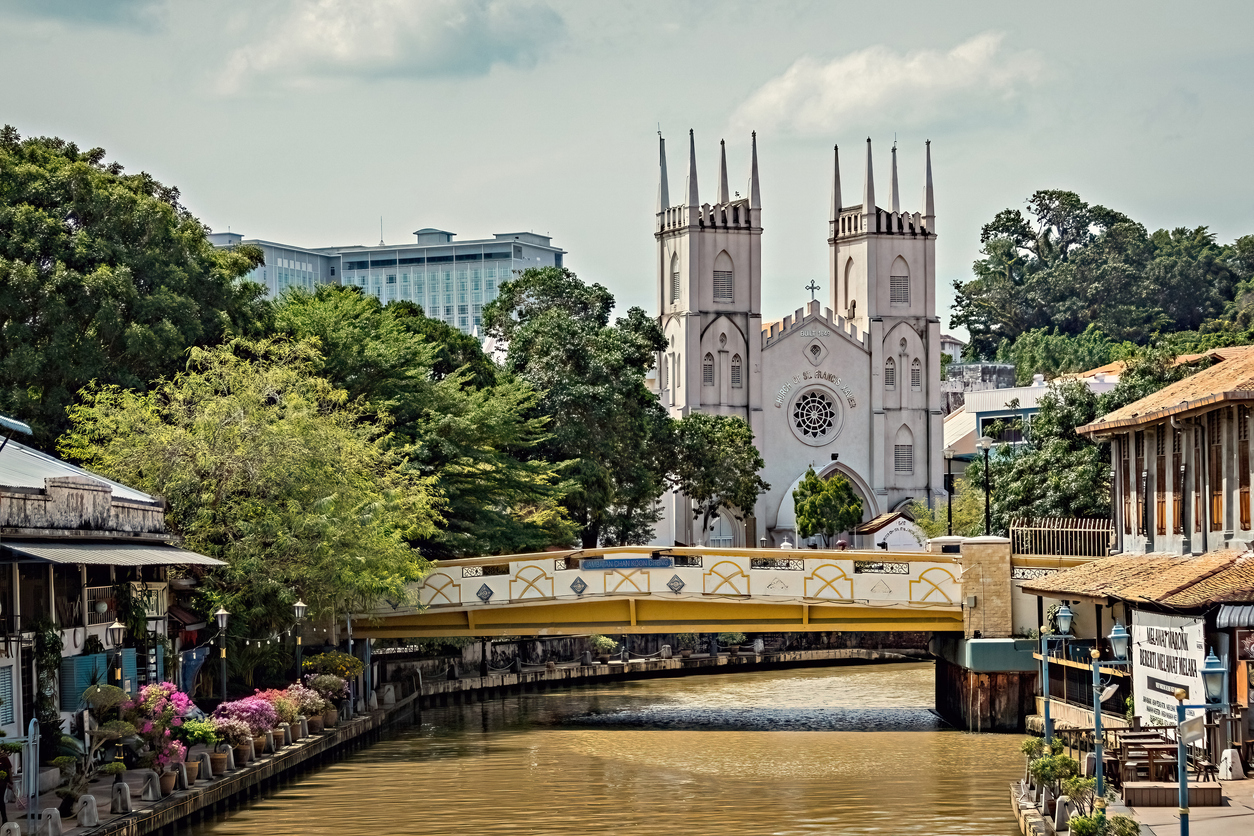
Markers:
<point>709,285</point>
<point>882,273</point>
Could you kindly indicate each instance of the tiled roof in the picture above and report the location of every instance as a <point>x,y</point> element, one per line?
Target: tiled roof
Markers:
<point>1170,580</point>
<point>874,525</point>
<point>1230,379</point>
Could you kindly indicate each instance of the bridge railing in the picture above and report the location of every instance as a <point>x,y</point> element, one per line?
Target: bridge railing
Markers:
<point>867,577</point>
<point>1061,537</point>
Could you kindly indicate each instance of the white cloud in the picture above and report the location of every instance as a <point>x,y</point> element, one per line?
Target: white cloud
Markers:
<point>813,97</point>
<point>329,39</point>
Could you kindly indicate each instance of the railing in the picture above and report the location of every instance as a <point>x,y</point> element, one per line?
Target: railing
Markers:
<point>1062,536</point>
<point>96,595</point>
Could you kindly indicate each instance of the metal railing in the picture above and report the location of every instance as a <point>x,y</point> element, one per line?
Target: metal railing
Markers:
<point>1062,536</point>
<point>96,595</point>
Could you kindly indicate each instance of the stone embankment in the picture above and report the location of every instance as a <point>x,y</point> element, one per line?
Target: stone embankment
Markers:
<point>401,701</point>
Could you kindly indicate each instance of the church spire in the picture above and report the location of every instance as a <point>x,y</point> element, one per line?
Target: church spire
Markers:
<point>693,200</point>
<point>663,192</point>
<point>724,194</point>
<point>929,203</point>
<point>836,185</point>
<point>868,187</point>
<point>755,194</point>
<point>894,197</point>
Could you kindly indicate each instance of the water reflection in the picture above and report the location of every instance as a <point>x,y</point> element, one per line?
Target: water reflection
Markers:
<point>713,755</point>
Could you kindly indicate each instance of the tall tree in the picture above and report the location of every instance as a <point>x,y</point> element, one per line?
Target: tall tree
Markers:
<point>271,468</point>
<point>605,425</point>
<point>104,276</point>
<point>450,414</point>
<point>716,466</point>
<point>826,506</point>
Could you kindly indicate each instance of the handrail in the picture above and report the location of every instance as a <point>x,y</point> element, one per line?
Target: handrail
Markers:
<point>873,555</point>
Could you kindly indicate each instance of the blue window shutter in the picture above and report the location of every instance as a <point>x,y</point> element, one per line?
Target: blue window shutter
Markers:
<point>77,674</point>
<point>161,663</point>
<point>130,673</point>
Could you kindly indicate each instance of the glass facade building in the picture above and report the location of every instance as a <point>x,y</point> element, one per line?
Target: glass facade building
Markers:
<point>451,280</point>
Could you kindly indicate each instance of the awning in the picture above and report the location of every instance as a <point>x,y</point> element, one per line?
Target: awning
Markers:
<point>104,554</point>
<point>1235,615</point>
<point>189,620</point>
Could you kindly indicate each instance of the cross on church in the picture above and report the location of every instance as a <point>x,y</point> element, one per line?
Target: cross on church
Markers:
<point>812,287</point>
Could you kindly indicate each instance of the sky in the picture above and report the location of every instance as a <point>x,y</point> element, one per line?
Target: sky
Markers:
<point>306,121</point>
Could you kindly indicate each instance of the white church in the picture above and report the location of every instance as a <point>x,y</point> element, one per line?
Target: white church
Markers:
<point>850,388</point>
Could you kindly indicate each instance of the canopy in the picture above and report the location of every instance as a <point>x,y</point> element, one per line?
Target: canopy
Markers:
<point>105,554</point>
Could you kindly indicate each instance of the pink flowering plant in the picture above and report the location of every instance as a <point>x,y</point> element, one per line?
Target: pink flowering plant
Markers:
<point>308,701</point>
<point>255,712</point>
<point>283,704</point>
<point>330,686</point>
<point>155,712</point>
<point>231,731</point>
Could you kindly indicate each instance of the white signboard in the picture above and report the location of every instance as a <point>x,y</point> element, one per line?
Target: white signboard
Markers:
<point>1167,653</point>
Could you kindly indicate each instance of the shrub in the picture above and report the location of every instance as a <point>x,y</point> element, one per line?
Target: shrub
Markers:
<point>283,704</point>
<point>253,712</point>
<point>731,638</point>
<point>330,686</point>
<point>602,644</point>
<point>232,731</point>
<point>343,665</point>
<point>113,768</point>
<point>686,641</point>
<point>198,732</point>
<point>308,701</point>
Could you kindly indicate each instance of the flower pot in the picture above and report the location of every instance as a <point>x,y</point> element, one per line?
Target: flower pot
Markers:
<point>604,659</point>
<point>259,745</point>
<point>733,649</point>
<point>315,723</point>
<point>330,717</point>
<point>193,770</point>
<point>243,754</point>
<point>167,782</point>
<point>217,761</point>
<point>684,654</point>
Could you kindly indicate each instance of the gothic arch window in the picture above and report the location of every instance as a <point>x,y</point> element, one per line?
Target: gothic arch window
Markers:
<point>848,281</point>
<point>674,279</point>
<point>903,451</point>
<point>737,375</point>
<point>707,370</point>
<point>899,283</point>
<point>724,278</point>
<point>890,374</point>
<point>916,374</point>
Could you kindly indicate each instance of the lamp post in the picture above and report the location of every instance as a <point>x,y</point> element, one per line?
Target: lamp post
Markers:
<point>984,445</point>
<point>300,609</point>
<point>117,634</point>
<point>1063,619</point>
<point>1215,684</point>
<point>949,487</point>
<point>221,616</point>
<point>1119,640</point>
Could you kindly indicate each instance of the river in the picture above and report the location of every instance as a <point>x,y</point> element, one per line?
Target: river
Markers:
<point>813,751</point>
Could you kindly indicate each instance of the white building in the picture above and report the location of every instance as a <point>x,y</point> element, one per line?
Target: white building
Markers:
<point>854,392</point>
<point>451,280</point>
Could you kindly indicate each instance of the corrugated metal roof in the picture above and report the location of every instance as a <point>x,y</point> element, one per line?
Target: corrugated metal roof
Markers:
<point>1184,581</point>
<point>108,554</point>
<point>24,467</point>
<point>1235,615</point>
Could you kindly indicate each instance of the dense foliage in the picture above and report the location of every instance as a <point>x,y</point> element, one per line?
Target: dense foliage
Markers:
<point>104,277</point>
<point>1068,266</point>
<point>826,506</point>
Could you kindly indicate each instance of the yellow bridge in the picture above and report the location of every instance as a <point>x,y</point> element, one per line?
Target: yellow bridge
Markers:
<point>686,590</point>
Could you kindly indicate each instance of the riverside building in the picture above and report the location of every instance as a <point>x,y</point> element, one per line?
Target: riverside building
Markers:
<point>850,387</point>
<point>451,280</point>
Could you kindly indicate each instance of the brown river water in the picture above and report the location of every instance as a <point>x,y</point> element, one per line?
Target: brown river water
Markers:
<point>847,750</point>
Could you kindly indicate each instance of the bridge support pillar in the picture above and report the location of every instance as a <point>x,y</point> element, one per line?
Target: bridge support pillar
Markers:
<point>985,678</point>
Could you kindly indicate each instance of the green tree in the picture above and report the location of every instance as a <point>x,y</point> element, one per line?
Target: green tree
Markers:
<point>716,466</point>
<point>605,426</point>
<point>968,503</point>
<point>104,277</point>
<point>451,416</point>
<point>272,469</point>
<point>826,506</point>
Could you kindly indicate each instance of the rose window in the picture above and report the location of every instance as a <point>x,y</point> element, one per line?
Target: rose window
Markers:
<point>814,414</point>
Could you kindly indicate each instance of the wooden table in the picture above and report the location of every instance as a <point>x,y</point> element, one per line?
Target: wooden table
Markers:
<point>1154,751</point>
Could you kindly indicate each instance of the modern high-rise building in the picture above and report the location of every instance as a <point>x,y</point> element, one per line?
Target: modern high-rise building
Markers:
<point>451,280</point>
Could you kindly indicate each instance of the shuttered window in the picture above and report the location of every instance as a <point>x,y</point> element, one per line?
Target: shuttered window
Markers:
<point>6,694</point>
<point>1160,480</point>
<point>1125,481</point>
<point>675,286</point>
<point>1177,481</point>
<point>903,458</point>
<point>899,290</point>
<point>1215,440</point>
<point>1140,476</point>
<point>736,373</point>
<point>890,374</point>
<point>916,374</point>
<point>707,370</point>
<point>723,286</point>
<point>1243,464</point>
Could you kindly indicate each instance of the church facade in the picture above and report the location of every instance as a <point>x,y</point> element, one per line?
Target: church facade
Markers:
<point>851,387</point>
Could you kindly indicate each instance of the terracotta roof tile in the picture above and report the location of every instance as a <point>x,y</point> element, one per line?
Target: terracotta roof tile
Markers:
<point>1171,580</point>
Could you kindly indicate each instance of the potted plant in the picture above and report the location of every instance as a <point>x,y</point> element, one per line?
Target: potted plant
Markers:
<point>309,703</point>
<point>284,706</point>
<point>732,641</point>
<point>234,733</point>
<point>604,646</point>
<point>687,643</point>
<point>199,733</point>
<point>256,713</point>
<point>331,688</point>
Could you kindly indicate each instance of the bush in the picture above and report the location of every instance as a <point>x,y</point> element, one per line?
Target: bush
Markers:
<point>1096,825</point>
<point>686,641</point>
<point>339,664</point>
<point>283,704</point>
<point>253,712</point>
<point>308,701</point>
<point>330,686</point>
<point>731,638</point>
<point>198,732</point>
<point>232,731</point>
<point>603,645</point>
<point>113,768</point>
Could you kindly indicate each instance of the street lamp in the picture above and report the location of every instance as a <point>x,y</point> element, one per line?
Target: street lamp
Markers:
<point>1119,640</point>
<point>117,633</point>
<point>1215,684</point>
<point>949,486</point>
<point>1063,619</point>
<point>984,445</point>
<point>221,617</point>
<point>300,609</point>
